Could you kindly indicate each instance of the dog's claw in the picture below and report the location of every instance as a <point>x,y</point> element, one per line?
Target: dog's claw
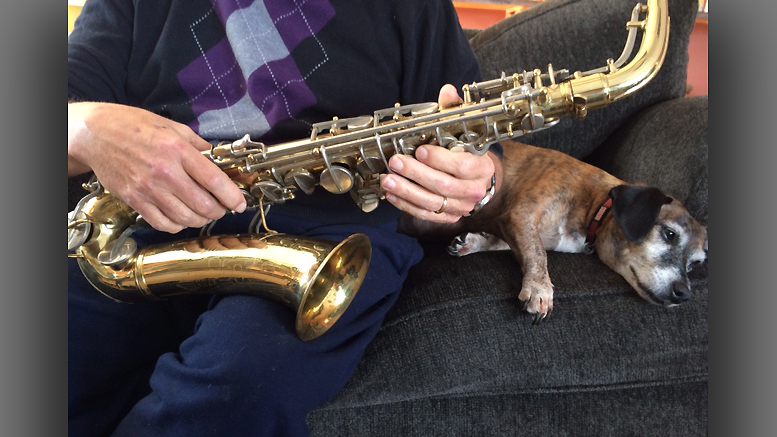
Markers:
<point>541,317</point>
<point>456,244</point>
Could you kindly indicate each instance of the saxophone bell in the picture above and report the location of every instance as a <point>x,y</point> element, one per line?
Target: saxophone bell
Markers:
<point>316,278</point>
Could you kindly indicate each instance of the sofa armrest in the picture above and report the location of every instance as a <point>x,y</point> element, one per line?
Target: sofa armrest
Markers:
<point>665,146</point>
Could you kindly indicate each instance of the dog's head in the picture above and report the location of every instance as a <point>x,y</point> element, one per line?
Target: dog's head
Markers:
<point>652,242</point>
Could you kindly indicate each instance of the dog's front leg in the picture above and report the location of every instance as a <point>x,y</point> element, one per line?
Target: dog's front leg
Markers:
<point>537,289</point>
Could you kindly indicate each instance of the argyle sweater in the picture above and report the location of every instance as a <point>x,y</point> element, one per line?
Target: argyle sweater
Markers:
<point>269,68</point>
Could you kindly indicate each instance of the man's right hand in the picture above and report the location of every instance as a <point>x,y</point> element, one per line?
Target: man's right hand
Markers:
<point>152,163</point>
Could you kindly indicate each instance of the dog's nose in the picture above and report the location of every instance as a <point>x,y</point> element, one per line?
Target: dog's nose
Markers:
<point>680,292</point>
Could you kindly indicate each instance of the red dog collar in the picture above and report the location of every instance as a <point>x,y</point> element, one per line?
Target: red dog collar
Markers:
<point>595,223</point>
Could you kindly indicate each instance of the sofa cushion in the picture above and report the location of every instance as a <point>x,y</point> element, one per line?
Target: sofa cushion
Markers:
<point>458,330</point>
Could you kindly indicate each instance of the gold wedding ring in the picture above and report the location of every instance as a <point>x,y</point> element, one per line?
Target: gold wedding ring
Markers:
<point>442,207</point>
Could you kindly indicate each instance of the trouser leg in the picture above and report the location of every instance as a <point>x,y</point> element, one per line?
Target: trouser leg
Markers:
<point>245,372</point>
<point>112,349</point>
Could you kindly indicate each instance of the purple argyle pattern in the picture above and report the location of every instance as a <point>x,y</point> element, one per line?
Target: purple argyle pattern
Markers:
<point>248,82</point>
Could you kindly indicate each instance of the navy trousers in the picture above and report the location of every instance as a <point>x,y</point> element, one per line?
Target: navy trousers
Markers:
<point>229,365</point>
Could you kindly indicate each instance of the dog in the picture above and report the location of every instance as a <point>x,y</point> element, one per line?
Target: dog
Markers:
<point>552,201</point>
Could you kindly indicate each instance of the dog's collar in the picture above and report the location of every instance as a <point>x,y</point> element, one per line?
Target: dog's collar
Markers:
<point>589,247</point>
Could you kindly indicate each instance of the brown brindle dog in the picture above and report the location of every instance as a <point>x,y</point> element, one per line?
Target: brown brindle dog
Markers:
<point>551,201</point>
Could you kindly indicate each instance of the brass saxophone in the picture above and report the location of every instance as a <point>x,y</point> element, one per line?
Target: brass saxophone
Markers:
<point>318,278</point>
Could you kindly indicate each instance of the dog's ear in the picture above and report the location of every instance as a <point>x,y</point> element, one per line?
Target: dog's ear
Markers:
<point>636,209</point>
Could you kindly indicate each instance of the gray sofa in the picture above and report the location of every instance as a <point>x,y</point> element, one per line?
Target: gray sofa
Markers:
<point>457,356</point>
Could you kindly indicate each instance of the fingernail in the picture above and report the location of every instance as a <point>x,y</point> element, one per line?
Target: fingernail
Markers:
<point>389,183</point>
<point>421,153</point>
<point>396,163</point>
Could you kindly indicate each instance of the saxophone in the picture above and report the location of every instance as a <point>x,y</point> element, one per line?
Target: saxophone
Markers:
<point>319,278</point>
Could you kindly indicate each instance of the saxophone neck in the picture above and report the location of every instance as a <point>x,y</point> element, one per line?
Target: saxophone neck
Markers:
<point>598,88</point>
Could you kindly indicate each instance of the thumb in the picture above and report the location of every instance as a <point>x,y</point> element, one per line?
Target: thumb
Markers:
<point>449,96</point>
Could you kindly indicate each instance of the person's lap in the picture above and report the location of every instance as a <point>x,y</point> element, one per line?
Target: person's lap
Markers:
<point>239,367</point>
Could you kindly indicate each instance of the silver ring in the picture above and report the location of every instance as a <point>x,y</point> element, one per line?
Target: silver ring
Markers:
<point>442,207</point>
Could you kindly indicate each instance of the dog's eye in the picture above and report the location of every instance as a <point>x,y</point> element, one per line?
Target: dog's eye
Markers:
<point>669,235</point>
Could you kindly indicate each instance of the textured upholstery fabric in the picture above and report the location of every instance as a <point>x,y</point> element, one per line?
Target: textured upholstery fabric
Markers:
<point>456,355</point>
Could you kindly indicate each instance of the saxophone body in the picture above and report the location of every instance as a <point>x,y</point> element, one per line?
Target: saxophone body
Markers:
<point>343,156</point>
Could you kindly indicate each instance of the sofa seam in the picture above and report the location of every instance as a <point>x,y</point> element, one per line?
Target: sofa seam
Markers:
<point>600,388</point>
<point>480,299</point>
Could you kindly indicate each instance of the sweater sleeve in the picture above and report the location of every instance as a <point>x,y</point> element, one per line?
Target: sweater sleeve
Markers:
<point>435,51</point>
<point>98,51</point>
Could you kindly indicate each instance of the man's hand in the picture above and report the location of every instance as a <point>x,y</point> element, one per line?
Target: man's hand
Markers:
<point>152,163</point>
<point>440,185</point>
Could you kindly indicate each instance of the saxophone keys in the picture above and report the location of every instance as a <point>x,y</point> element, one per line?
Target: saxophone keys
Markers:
<point>360,122</point>
<point>337,126</point>
<point>271,191</point>
<point>367,193</point>
<point>532,122</point>
<point>117,251</point>
<point>337,179</point>
<point>78,229</point>
<point>370,163</point>
<point>426,108</point>
<point>302,179</point>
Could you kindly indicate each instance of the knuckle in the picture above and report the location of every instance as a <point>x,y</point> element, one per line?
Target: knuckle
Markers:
<point>447,186</point>
<point>132,199</point>
<point>172,142</point>
<point>466,165</point>
<point>193,220</point>
<point>206,206</point>
<point>160,170</point>
<point>214,178</point>
<point>475,194</point>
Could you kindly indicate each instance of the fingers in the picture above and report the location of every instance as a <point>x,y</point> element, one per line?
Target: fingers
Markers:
<point>201,192</point>
<point>219,190</point>
<point>156,218</point>
<point>448,181</point>
<point>422,203</point>
<point>188,134</point>
<point>152,163</point>
<point>444,216</point>
<point>449,96</point>
<point>460,175</point>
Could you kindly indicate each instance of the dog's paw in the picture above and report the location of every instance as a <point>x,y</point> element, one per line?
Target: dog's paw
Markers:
<point>471,242</point>
<point>537,298</point>
<point>465,244</point>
